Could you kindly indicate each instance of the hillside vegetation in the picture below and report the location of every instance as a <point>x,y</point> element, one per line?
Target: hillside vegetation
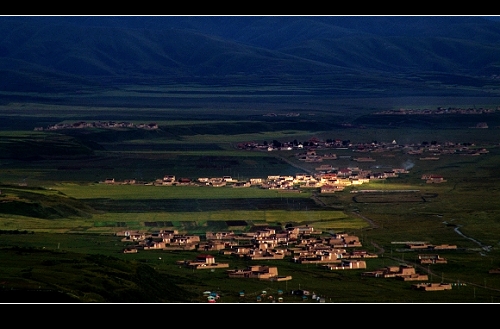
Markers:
<point>323,56</point>
<point>54,276</point>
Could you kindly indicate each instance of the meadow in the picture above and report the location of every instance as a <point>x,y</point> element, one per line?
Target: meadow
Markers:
<point>57,217</point>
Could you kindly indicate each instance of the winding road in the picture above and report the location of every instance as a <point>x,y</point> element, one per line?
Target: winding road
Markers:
<point>427,269</point>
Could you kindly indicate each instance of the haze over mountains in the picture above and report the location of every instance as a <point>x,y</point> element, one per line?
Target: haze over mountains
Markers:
<point>344,55</point>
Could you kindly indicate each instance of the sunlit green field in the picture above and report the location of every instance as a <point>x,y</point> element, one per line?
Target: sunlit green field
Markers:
<point>109,223</point>
<point>114,220</point>
<point>124,192</point>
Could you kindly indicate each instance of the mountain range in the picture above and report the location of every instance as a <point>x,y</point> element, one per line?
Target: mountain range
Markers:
<point>342,55</point>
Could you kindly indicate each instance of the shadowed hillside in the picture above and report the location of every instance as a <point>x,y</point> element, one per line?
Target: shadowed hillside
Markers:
<point>67,277</point>
<point>335,55</point>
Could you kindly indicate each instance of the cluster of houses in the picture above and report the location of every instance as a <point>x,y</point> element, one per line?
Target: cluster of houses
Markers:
<point>258,272</point>
<point>203,261</point>
<point>428,246</point>
<point>326,177</point>
<point>309,151</point>
<point>428,286</point>
<point>326,180</point>
<point>407,273</point>
<point>439,111</point>
<point>300,244</point>
<point>431,259</point>
<point>432,178</point>
<point>401,272</point>
<point>99,124</point>
<point>331,179</point>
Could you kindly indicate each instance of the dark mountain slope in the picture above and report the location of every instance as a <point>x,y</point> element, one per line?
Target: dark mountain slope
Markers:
<point>75,53</point>
<point>49,276</point>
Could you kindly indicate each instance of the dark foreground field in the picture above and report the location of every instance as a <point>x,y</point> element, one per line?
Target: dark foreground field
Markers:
<point>57,242</point>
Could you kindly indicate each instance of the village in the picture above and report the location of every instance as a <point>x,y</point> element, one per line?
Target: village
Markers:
<point>99,124</point>
<point>302,244</point>
<point>327,182</point>
<point>439,111</point>
<point>331,179</point>
<point>298,244</point>
<point>326,177</point>
<point>308,150</point>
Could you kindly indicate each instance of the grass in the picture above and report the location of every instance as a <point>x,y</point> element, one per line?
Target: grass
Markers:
<point>110,222</point>
<point>124,192</point>
<point>64,215</point>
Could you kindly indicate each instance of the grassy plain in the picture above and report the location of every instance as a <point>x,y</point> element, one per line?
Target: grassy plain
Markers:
<point>56,216</point>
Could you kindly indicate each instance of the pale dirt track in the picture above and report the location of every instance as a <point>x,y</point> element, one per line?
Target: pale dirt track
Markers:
<point>373,225</point>
<point>426,269</point>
